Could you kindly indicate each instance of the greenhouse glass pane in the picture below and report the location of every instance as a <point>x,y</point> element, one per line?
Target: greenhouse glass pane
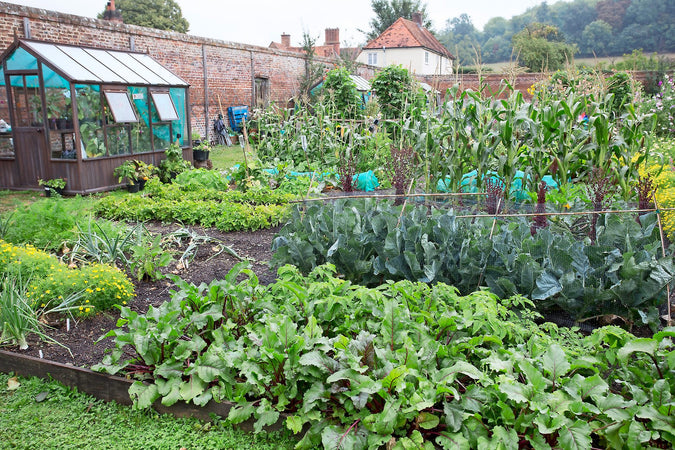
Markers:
<point>21,60</point>
<point>63,62</point>
<point>121,106</point>
<point>107,58</point>
<point>92,64</point>
<point>165,107</point>
<point>160,70</point>
<point>140,69</point>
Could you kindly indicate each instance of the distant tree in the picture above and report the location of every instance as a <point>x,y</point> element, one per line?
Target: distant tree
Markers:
<point>597,38</point>
<point>159,14</point>
<point>461,37</point>
<point>541,47</point>
<point>389,11</point>
<point>612,12</point>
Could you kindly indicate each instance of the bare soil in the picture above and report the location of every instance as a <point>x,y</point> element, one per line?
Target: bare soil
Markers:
<point>79,346</point>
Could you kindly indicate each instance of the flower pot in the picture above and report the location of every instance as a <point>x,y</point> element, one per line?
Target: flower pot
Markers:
<point>200,155</point>
<point>48,191</point>
<point>133,187</point>
<point>141,184</point>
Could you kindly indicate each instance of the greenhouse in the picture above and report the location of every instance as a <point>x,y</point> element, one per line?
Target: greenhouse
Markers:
<point>126,106</point>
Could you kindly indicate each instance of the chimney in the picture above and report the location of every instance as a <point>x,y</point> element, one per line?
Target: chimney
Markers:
<point>417,18</point>
<point>111,13</point>
<point>333,39</point>
<point>286,40</point>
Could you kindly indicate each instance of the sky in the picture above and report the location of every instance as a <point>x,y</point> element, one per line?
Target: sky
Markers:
<point>260,22</point>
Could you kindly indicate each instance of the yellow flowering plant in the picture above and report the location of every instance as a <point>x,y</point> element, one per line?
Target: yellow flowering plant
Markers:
<point>51,281</point>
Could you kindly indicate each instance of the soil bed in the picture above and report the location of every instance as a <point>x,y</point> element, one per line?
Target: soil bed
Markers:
<point>207,266</point>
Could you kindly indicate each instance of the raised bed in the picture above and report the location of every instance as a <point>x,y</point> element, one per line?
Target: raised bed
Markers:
<point>111,388</point>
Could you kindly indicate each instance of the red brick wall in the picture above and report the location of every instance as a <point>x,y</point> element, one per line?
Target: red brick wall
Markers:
<point>230,67</point>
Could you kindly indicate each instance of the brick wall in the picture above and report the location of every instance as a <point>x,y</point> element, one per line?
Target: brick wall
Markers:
<point>522,82</point>
<point>220,73</point>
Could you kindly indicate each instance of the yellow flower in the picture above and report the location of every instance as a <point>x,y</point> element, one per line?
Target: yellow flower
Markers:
<point>87,310</point>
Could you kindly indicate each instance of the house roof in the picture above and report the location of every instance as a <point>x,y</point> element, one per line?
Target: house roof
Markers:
<point>94,65</point>
<point>405,33</point>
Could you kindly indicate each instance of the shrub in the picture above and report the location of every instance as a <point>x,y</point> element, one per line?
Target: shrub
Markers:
<point>47,223</point>
<point>51,281</point>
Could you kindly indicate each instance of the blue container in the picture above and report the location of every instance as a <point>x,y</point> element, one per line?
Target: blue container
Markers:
<point>236,114</point>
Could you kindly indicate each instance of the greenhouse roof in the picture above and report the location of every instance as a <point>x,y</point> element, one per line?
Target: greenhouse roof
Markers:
<point>94,65</point>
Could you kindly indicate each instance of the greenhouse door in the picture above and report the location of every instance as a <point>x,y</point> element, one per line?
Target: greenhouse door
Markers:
<point>28,128</point>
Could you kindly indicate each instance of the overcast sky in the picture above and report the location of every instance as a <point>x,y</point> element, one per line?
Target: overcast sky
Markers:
<point>260,22</point>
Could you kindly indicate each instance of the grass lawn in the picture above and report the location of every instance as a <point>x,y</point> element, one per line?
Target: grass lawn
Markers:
<point>224,157</point>
<point>9,200</point>
<point>42,414</point>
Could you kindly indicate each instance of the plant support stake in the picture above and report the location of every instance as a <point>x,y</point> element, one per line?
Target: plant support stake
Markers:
<point>663,251</point>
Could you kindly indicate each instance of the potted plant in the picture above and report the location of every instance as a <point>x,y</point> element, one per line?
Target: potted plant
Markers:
<point>127,171</point>
<point>56,185</point>
<point>201,151</point>
<point>196,139</point>
<point>173,164</point>
<point>143,172</point>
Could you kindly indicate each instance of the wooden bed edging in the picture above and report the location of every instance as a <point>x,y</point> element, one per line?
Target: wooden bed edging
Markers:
<point>113,388</point>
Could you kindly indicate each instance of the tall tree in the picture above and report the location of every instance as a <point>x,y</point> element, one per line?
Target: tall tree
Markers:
<point>541,47</point>
<point>388,11</point>
<point>462,38</point>
<point>159,14</point>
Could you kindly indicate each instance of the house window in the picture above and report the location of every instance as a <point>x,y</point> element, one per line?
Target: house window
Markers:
<point>262,92</point>
<point>372,59</point>
<point>426,58</point>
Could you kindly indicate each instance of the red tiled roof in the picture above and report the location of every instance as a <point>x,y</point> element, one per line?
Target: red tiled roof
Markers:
<point>405,33</point>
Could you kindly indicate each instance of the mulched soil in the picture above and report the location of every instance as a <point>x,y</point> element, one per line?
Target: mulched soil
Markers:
<point>82,351</point>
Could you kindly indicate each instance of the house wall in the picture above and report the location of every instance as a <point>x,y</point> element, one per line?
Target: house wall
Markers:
<point>220,73</point>
<point>410,58</point>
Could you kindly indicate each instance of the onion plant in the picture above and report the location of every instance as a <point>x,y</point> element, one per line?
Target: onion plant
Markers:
<point>19,318</point>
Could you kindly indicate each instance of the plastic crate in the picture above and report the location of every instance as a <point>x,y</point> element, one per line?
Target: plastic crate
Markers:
<point>236,114</point>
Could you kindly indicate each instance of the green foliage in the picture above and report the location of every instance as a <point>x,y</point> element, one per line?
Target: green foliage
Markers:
<point>539,47</point>
<point>51,281</point>
<point>340,95</point>
<point>662,105</point>
<point>47,223</point>
<point>173,164</point>
<point>395,91</point>
<point>53,183</point>
<point>199,179</point>
<point>407,364</point>
<point>619,85</point>
<point>225,210</point>
<point>624,274</point>
<point>159,14</point>
<point>147,257</point>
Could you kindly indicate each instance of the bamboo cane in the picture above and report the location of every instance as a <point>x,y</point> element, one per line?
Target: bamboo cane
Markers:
<point>663,251</point>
